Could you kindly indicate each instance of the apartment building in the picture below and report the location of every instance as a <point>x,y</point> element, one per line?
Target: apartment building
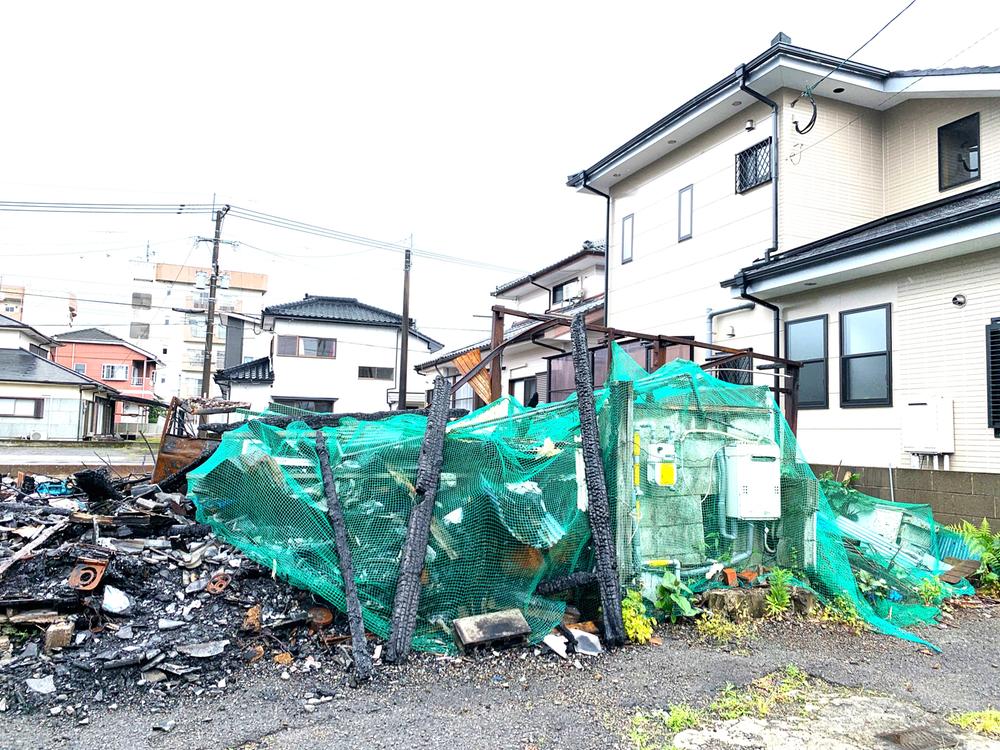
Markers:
<point>842,215</point>
<point>169,308</point>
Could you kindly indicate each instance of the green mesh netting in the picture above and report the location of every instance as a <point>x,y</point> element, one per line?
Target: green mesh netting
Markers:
<point>701,474</point>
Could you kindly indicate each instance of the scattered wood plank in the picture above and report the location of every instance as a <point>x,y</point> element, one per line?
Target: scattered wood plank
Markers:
<point>31,546</point>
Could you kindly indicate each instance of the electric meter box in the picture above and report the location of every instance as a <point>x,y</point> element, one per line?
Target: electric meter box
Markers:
<point>661,468</point>
<point>753,481</point>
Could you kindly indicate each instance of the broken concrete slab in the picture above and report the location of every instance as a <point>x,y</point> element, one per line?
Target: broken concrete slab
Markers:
<point>41,685</point>
<point>503,628</point>
<point>115,601</point>
<point>204,650</point>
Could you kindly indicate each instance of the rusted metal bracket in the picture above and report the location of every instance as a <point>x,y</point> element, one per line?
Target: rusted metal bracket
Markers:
<point>355,618</point>
<point>407,598</point>
<point>87,574</point>
<point>598,505</point>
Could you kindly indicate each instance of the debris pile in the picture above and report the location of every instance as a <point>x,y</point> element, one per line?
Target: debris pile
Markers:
<point>109,587</point>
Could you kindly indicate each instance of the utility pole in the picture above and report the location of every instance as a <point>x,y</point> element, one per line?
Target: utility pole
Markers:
<point>404,328</point>
<point>206,370</point>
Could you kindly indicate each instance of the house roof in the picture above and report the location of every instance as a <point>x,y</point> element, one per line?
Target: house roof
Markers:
<point>256,371</point>
<point>97,336</point>
<point>946,212</point>
<point>8,322</point>
<point>343,310</point>
<point>781,65</point>
<point>20,366</point>
<point>514,330</point>
<point>587,251</point>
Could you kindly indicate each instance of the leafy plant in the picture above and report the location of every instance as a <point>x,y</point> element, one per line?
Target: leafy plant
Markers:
<point>673,598</point>
<point>983,542</point>
<point>871,587</point>
<point>779,592</point>
<point>983,722</point>
<point>718,628</point>
<point>842,611</point>
<point>930,591</point>
<point>638,627</point>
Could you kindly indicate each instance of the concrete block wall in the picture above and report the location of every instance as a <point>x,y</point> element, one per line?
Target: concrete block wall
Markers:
<point>953,495</point>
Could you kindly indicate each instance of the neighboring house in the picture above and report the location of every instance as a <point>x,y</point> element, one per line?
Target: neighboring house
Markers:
<point>118,364</point>
<point>329,354</point>
<point>169,304</point>
<point>861,235</point>
<point>539,368</point>
<point>42,400</point>
<point>12,301</point>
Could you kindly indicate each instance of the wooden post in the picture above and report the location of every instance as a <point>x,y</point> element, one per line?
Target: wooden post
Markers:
<point>496,339</point>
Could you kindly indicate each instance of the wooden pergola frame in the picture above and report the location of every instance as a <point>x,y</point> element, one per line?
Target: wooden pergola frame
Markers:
<point>661,342</point>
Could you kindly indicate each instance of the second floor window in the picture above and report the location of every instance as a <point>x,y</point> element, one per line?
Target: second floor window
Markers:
<point>375,373</point>
<point>139,331</point>
<point>142,300</point>
<point>562,293</point>
<point>958,152</point>
<point>114,372</point>
<point>628,234</point>
<point>753,166</point>
<point>306,346</point>
<point>685,212</point>
<point>865,357</point>
<point>805,341</point>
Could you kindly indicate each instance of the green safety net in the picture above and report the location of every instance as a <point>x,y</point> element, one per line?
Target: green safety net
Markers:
<point>701,473</point>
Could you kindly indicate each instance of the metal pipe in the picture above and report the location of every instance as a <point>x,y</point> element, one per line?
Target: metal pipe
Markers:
<point>607,241</point>
<point>776,335</point>
<point>711,314</point>
<point>774,158</point>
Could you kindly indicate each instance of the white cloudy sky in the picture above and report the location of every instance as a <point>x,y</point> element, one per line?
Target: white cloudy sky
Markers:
<point>456,122</point>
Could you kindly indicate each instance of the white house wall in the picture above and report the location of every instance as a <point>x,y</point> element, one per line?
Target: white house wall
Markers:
<point>357,346</point>
<point>60,414</point>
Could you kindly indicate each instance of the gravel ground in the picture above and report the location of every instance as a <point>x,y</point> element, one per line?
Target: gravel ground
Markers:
<point>522,700</point>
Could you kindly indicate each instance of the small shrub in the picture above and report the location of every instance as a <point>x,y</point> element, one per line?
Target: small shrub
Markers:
<point>718,628</point>
<point>930,591</point>
<point>638,627</point>
<point>984,722</point>
<point>674,598</point>
<point>842,611</point>
<point>871,588</point>
<point>779,592</point>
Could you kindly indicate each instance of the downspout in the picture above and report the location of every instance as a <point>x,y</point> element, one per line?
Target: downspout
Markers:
<point>777,326</point>
<point>607,242</point>
<point>774,160</point>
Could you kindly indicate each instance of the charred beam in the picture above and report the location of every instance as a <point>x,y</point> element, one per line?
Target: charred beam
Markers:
<point>411,563</point>
<point>362,659</point>
<point>551,586</point>
<point>599,507</point>
<point>319,421</point>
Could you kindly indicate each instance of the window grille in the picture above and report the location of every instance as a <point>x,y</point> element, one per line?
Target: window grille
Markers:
<point>753,166</point>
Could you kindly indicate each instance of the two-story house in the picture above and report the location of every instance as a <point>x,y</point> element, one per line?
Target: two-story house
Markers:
<point>118,364</point>
<point>43,400</point>
<point>539,368</point>
<point>841,215</point>
<point>329,354</point>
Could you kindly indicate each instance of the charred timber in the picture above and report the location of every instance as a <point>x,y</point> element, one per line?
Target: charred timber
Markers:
<point>407,598</point>
<point>599,507</point>
<point>319,421</point>
<point>362,659</point>
<point>551,586</point>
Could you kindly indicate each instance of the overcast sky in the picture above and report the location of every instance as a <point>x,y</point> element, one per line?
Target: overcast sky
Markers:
<point>456,122</point>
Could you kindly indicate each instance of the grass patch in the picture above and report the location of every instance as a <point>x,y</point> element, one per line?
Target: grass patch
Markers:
<point>842,611</point>
<point>984,722</point>
<point>760,697</point>
<point>655,730</point>
<point>720,629</point>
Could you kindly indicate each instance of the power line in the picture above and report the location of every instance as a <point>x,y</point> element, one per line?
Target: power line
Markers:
<point>106,208</point>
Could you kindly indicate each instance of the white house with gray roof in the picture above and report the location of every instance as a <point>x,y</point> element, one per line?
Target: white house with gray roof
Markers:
<point>330,354</point>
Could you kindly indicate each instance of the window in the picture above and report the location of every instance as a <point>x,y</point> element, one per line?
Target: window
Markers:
<point>319,405</point>
<point>806,341</point>
<point>138,331</point>
<point>142,300</point>
<point>524,389</point>
<point>562,378</point>
<point>565,292</point>
<point>865,358</point>
<point>628,235</point>
<point>114,372</point>
<point>38,351</point>
<point>376,373</point>
<point>80,367</point>
<point>753,166</point>
<point>958,152</point>
<point>685,210</point>
<point>993,376</point>
<point>195,357</point>
<point>199,300</point>
<point>464,397</point>
<point>31,408</point>
<point>306,346</point>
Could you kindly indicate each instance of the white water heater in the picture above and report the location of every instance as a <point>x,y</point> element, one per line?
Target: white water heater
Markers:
<point>753,481</point>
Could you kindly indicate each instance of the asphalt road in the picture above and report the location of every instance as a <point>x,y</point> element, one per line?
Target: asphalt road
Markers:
<point>528,702</point>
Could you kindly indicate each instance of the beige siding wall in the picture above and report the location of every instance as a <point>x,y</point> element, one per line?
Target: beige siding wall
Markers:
<point>669,284</point>
<point>831,178</point>
<point>911,156</point>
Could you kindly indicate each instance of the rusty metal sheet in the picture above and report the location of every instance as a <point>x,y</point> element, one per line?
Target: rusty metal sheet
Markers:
<point>87,574</point>
<point>176,453</point>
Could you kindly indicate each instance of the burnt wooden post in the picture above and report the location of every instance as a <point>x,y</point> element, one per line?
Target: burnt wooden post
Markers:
<point>598,505</point>
<point>362,659</point>
<point>411,563</point>
<point>792,398</point>
<point>496,339</point>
